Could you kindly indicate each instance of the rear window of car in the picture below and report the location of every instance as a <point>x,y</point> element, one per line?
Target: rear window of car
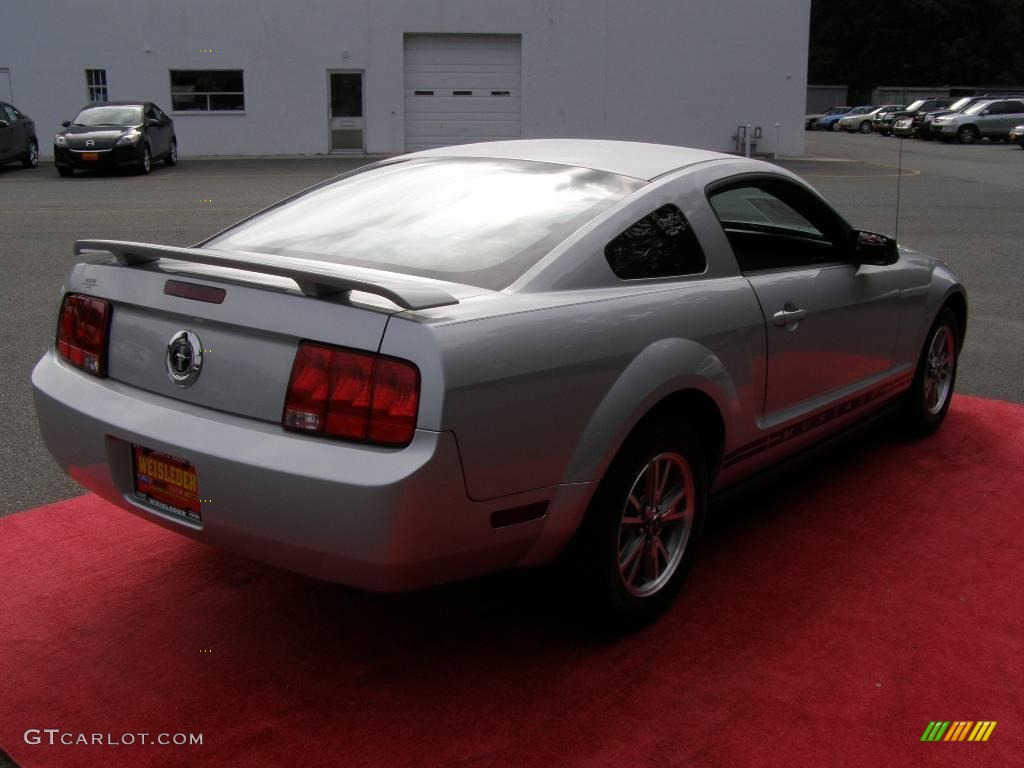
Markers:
<point>477,221</point>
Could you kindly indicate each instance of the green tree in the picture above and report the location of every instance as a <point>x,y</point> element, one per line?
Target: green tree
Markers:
<point>916,43</point>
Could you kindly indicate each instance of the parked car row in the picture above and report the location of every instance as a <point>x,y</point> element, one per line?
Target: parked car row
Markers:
<point>973,119</point>
<point>997,117</point>
<point>109,134</point>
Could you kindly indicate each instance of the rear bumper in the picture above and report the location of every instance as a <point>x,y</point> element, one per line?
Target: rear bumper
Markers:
<point>372,518</point>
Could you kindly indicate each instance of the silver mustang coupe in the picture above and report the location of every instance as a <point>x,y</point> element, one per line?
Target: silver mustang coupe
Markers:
<point>484,357</point>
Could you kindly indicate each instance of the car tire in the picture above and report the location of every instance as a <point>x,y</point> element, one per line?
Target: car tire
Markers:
<point>968,134</point>
<point>629,562</point>
<point>31,159</point>
<point>885,132</point>
<point>931,392</point>
<point>926,135</point>
<point>172,153</point>
<point>65,171</point>
<point>835,127</point>
<point>865,127</point>
<point>146,162</point>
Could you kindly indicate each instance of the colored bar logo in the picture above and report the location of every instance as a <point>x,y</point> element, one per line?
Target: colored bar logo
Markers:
<point>958,730</point>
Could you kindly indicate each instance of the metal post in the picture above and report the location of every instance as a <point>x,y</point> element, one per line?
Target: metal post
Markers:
<point>778,139</point>
<point>746,140</point>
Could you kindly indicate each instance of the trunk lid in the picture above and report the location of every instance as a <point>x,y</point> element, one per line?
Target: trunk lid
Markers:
<point>248,341</point>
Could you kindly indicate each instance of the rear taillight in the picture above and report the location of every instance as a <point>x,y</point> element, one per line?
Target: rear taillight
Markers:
<point>82,332</point>
<point>352,395</point>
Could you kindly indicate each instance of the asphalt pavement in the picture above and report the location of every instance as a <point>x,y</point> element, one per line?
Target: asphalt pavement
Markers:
<point>961,203</point>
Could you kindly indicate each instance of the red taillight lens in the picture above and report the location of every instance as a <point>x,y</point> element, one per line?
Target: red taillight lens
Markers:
<point>82,332</point>
<point>396,399</point>
<point>306,405</point>
<point>348,408</point>
<point>352,395</point>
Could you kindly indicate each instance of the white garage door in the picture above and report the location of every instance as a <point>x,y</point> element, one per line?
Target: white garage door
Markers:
<point>461,89</point>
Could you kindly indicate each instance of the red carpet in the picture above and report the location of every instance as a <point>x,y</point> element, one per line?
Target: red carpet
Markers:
<point>830,618</point>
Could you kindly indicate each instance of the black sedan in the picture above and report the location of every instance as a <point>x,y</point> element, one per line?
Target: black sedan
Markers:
<point>114,134</point>
<point>17,137</point>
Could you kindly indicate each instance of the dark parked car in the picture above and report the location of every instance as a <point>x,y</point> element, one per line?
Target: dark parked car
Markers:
<point>114,134</point>
<point>921,105</point>
<point>17,137</point>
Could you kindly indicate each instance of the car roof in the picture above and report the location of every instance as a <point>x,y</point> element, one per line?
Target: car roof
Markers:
<point>625,158</point>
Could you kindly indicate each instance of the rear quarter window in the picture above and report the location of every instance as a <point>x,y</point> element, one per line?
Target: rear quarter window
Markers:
<point>661,244</point>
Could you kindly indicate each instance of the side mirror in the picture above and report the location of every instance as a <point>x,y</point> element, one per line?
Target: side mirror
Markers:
<point>66,123</point>
<point>153,122</point>
<point>873,248</point>
<point>986,112</point>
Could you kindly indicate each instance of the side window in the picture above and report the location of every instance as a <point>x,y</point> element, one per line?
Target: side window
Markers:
<point>777,225</point>
<point>1014,107</point>
<point>758,207</point>
<point>996,108</point>
<point>8,113</point>
<point>157,113</point>
<point>661,244</point>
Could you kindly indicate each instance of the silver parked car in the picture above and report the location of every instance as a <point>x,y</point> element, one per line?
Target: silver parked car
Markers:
<point>984,119</point>
<point>483,357</point>
<point>860,122</point>
<point>1017,135</point>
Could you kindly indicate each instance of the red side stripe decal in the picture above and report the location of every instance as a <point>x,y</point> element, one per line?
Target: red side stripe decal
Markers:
<point>798,428</point>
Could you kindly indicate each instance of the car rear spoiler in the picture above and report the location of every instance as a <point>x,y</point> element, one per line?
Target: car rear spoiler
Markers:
<point>314,278</point>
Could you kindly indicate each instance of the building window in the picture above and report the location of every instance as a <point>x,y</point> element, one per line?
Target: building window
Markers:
<point>661,244</point>
<point>207,90</point>
<point>96,84</point>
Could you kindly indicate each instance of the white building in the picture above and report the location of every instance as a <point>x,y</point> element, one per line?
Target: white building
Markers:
<point>256,77</point>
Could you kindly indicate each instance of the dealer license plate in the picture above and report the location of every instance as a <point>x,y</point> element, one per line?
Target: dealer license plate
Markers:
<point>90,156</point>
<point>166,482</point>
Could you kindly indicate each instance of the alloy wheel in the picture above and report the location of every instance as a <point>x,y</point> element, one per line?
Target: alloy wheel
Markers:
<point>938,374</point>
<point>655,524</point>
<point>967,135</point>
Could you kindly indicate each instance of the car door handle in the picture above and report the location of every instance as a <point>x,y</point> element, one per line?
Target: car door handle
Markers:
<point>787,316</point>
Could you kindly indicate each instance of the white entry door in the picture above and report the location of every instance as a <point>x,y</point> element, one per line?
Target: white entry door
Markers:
<point>461,89</point>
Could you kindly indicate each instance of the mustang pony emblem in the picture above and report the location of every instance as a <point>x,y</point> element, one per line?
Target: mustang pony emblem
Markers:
<point>184,358</point>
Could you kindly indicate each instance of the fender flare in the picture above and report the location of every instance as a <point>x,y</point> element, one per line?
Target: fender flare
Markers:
<point>650,377</point>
